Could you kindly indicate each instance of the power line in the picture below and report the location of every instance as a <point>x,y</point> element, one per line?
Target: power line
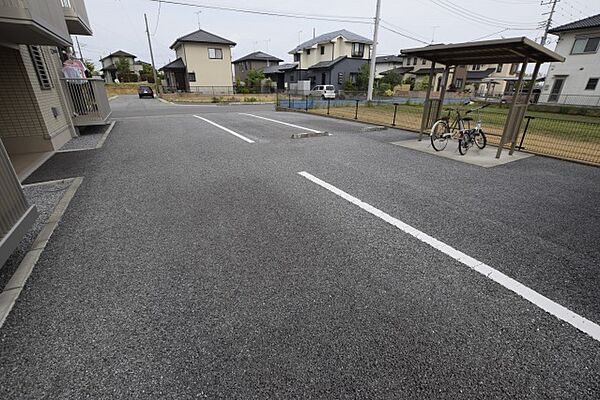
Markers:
<point>491,34</point>
<point>480,20</point>
<point>549,21</point>
<point>403,34</point>
<point>318,17</point>
<point>402,29</point>
<point>157,17</point>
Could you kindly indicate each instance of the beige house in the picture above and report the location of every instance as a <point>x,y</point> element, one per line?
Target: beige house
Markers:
<point>40,108</point>
<point>203,64</point>
<point>109,65</point>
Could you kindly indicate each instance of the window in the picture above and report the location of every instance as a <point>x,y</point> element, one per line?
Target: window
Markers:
<point>353,77</point>
<point>322,50</point>
<point>296,57</point>
<point>358,49</point>
<point>585,45</point>
<point>423,61</point>
<point>192,76</point>
<point>458,83</point>
<point>514,68</point>
<point>308,52</point>
<point>215,54</point>
<point>499,67</point>
<point>476,67</point>
<point>39,63</point>
<point>591,84</point>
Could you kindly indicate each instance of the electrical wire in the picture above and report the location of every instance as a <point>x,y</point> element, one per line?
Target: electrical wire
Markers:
<point>402,29</point>
<point>157,17</point>
<point>481,21</point>
<point>403,34</point>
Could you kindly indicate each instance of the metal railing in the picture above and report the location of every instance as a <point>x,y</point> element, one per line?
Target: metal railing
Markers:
<point>571,100</point>
<point>16,216</point>
<point>221,90</point>
<point>575,138</point>
<point>87,100</point>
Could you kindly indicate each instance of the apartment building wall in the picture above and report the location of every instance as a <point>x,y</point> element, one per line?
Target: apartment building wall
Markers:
<point>32,119</point>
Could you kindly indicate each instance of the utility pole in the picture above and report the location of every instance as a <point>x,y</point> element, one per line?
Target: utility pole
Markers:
<point>151,56</point>
<point>549,21</point>
<point>79,48</point>
<point>374,53</point>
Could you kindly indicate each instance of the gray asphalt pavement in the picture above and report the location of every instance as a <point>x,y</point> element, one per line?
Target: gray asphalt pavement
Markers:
<point>191,263</point>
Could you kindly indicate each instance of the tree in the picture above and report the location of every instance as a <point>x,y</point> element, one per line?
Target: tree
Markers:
<point>89,65</point>
<point>254,78</point>
<point>122,66</point>
<point>392,78</point>
<point>362,79</point>
<point>147,69</point>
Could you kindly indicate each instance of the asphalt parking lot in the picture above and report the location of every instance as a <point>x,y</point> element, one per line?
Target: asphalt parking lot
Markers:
<point>208,254</point>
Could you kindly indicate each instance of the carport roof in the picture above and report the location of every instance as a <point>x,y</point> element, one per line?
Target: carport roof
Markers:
<point>512,50</point>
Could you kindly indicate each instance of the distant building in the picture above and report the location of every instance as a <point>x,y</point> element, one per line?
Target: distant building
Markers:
<point>203,64</point>
<point>575,81</point>
<point>257,61</point>
<point>109,64</point>
<point>388,63</point>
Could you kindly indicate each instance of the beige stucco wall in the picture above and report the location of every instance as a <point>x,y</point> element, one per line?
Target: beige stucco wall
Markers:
<point>333,50</point>
<point>27,121</point>
<point>209,72</point>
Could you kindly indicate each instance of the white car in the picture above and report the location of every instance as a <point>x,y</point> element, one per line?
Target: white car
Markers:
<point>323,91</point>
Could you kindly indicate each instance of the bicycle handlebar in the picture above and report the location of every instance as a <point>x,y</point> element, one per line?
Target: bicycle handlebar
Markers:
<point>478,108</point>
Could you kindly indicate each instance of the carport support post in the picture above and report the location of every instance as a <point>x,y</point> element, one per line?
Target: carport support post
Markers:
<point>508,125</point>
<point>427,106</point>
<point>536,70</point>
<point>443,92</point>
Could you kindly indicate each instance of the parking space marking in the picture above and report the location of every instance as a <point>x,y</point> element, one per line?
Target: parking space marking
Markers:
<point>281,122</point>
<point>226,129</point>
<point>509,283</point>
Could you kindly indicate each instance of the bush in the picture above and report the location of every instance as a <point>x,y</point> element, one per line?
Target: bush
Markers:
<point>250,99</point>
<point>216,99</point>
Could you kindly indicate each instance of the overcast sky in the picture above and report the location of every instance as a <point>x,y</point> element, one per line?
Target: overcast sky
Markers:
<point>119,24</point>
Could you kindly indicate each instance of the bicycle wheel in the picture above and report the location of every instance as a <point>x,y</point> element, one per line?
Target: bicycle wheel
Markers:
<point>439,135</point>
<point>463,144</point>
<point>480,139</point>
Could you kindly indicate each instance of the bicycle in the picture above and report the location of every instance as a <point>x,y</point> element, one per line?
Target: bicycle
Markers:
<point>472,136</point>
<point>443,130</point>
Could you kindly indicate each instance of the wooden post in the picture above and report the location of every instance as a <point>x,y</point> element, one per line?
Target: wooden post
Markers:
<point>508,125</point>
<point>445,76</point>
<point>536,70</point>
<point>426,105</point>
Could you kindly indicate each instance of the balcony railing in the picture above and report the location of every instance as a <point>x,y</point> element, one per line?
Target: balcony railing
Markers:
<point>76,17</point>
<point>16,216</point>
<point>33,22</point>
<point>88,101</point>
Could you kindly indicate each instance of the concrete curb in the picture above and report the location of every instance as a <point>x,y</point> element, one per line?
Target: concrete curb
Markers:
<point>309,134</point>
<point>98,145</point>
<point>112,97</point>
<point>15,285</point>
<point>374,128</point>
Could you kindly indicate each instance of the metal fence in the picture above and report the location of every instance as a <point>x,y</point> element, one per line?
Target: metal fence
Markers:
<point>570,100</point>
<point>16,216</point>
<point>574,138</point>
<point>88,101</point>
<point>221,90</point>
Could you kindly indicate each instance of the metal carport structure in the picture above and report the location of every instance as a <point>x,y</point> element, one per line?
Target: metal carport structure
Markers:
<point>519,50</point>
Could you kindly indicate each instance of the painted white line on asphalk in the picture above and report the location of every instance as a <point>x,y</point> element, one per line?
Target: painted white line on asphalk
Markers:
<point>226,129</point>
<point>281,122</point>
<point>509,283</point>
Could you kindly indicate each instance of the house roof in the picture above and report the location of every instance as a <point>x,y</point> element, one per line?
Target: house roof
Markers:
<point>399,70</point>
<point>586,23</point>
<point>201,36</point>
<point>279,69</point>
<point>327,64</point>
<point>328,37</point>
<point>140,62</point>
<point>118,53</point>
<point>425,71</point>
<point>177,64</point>
<point>389,59</point>
<point>479,75</point>
<point>258,56</point>
<point>110,67</point>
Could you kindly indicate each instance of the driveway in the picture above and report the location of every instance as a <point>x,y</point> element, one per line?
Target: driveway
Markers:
<point>195,261</point>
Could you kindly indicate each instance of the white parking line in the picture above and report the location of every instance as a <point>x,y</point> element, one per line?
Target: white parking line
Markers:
<point>226,129</point>
<point>528,294</point>
<point>281,122</point>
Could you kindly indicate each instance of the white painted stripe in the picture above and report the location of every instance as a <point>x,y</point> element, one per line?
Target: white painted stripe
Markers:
<point>226,129</point>
<point>528,294</point>
<point>281,122</point>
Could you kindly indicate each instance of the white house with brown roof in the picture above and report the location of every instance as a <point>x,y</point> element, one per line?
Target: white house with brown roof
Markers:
<point>203,64</point>
<point>577,80</point>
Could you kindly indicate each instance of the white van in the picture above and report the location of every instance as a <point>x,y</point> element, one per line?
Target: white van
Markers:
<point>323,91</point>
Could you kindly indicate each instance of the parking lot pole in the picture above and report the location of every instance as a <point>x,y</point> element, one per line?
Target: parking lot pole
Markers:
<point>528,118</point>
<point>395,110</point>
<point>328,105</point>
<point>306,104</point>
<point>289,100</point>
<point>356,111</point>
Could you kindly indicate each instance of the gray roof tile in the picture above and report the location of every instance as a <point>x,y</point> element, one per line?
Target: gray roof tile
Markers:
<point>328,37</point>
<point>201,36</point>
<point>259,56</point>
<point>586,23</point>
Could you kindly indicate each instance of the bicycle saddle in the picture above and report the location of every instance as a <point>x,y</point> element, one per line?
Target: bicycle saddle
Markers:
<point>467,119</point>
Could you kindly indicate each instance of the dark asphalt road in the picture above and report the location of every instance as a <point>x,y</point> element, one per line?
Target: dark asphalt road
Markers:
<point>193,264</point>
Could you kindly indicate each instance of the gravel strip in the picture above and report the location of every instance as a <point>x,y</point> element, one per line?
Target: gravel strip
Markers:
<point>45,197</point>
<point>88,140</point>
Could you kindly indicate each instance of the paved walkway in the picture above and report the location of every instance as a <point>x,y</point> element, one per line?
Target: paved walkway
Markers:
<point>193,263</point>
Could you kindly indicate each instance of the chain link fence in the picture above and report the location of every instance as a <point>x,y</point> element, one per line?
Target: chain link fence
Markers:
<point>575,138</point>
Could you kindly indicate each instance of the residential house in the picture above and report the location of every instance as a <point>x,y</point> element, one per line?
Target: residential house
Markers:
<point>40,108</point>
<point>331,58</point>
<point>576,81</point>
<point>282,73</point>
<point>109,64</point>
<point>388,63</point>
<point>254,61</point>
<point>203,64</point>
<point>492,80</point>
